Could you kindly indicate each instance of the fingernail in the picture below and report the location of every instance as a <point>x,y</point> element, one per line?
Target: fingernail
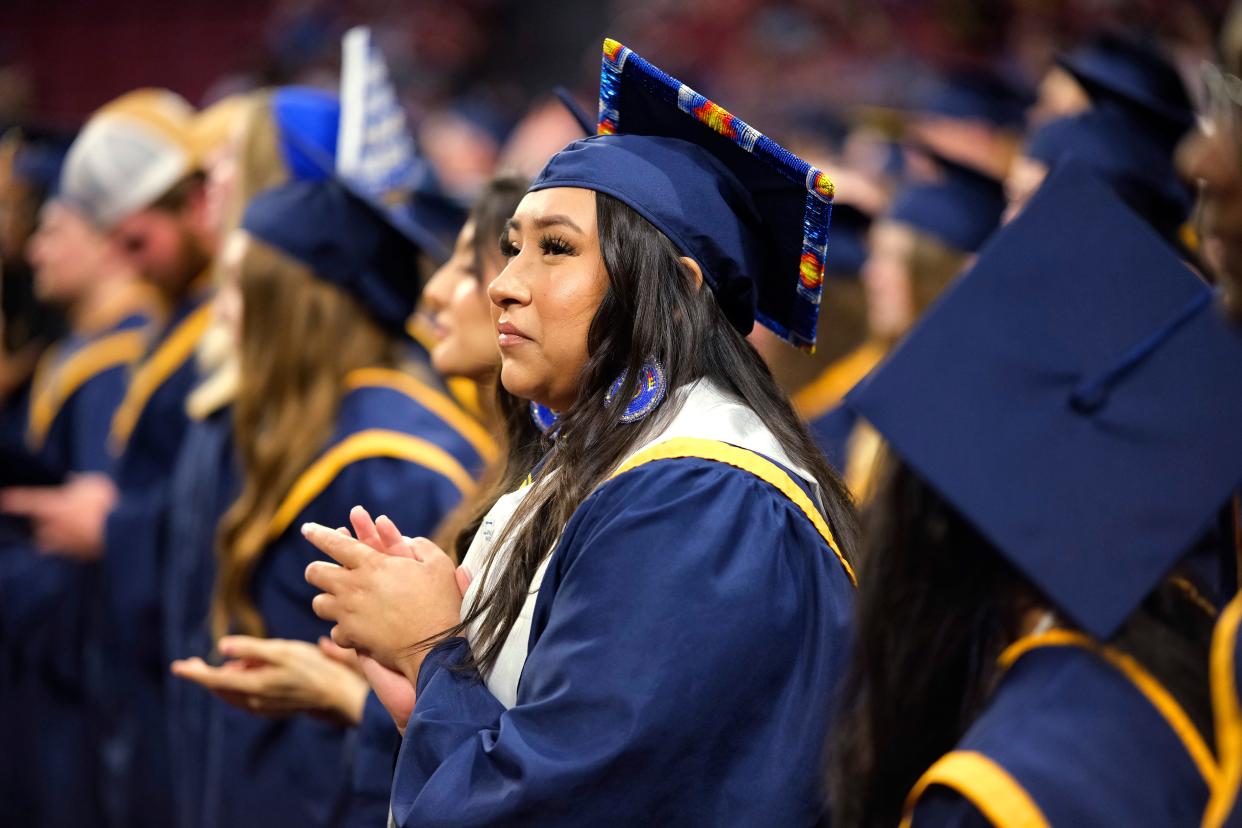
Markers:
<point>307,527</point>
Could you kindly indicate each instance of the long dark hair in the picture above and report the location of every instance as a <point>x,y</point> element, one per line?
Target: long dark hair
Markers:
<point>937,604</point>
<point>652,309</point>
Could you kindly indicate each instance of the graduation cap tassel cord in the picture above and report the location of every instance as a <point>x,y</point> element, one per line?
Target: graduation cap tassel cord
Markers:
<point>1091,395</point>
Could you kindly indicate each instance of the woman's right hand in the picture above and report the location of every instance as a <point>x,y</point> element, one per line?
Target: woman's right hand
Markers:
<point>392,688</point>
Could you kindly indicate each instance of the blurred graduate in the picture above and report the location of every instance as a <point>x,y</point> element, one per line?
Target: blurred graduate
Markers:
<point>49,635</point>
<point>134,173</point>
<point>319,282</point>
<point>1211,157</point>
<point>1031,648</point>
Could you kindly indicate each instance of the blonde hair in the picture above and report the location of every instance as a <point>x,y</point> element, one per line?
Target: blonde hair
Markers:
<point>300,337</point>
<point>260,165</point>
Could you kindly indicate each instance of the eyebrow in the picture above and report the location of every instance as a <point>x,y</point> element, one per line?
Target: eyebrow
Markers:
<point>544,221</point>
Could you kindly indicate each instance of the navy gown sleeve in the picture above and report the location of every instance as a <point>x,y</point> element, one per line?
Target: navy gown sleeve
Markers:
<point>686,640</point>
<point>131,571</point>
<point>45,595</point>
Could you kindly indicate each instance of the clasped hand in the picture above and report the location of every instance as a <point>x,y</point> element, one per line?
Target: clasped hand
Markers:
<point>386,593</point>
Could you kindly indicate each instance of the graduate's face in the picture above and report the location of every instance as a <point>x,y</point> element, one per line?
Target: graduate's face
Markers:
<point>461,314</point>
<point>546,296</point>
<point>1025,177</point>
<point>886,280</point>
<point>1216,163</point>
<point>163,246</point>
<point>66,253</point>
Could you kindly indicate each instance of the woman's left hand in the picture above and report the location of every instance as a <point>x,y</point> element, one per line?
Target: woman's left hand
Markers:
<point>275,677</point>
<point>384,603</point>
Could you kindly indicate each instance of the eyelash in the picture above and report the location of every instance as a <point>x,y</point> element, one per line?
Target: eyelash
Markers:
<point>550,245</point>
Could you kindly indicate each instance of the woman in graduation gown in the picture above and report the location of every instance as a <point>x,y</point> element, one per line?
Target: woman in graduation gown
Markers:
<point>1022,660</point>
<point>268,141</point>
<point>320,285</point>
<point>301,677</point>
<point>652,624</point>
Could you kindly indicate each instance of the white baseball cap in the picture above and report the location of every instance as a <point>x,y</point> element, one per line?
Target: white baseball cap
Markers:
<point>130,153</point>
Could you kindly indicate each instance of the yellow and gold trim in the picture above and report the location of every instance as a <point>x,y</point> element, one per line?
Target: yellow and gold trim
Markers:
<point>155,370</point>
<point>1228,716</point>
<point>365,445</point>
<point>55,383</point>
<point>827,390</point>
<point>985,784</point>
<point>747,461</point>
<point>1155,693</point>
<point>431,399</point>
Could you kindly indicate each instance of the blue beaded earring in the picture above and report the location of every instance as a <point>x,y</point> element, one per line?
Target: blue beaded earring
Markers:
<point>650,394</point>
<point>543,417</point>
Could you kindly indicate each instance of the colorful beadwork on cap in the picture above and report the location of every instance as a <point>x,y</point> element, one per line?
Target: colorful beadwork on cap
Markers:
<point>819,187</point>
<point>650,393</point>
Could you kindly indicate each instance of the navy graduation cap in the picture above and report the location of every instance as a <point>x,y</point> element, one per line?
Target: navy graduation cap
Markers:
<point>1134,164</point>
<point>980,95</point>
<point>340,238</point>
<point>1133,72</point>
<point>38,159</point>
<point>850,226</point>
<point>1076,397</point>
<point>361,217</point>
<point>364,143</point>
<point>376,156</point>
<point>752,214</point>
<point>959,206</point>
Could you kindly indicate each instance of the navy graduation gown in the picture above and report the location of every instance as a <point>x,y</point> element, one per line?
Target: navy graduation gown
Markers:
<point>1071,737</point>
<point>684,649</point>
<point>147,432</point>
<point>203,485</point>
<point>45,602</point>
<point>1225,806</point>
<point>397,456</point>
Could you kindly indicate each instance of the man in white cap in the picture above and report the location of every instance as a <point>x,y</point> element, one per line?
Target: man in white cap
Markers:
<point>135,173</point>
